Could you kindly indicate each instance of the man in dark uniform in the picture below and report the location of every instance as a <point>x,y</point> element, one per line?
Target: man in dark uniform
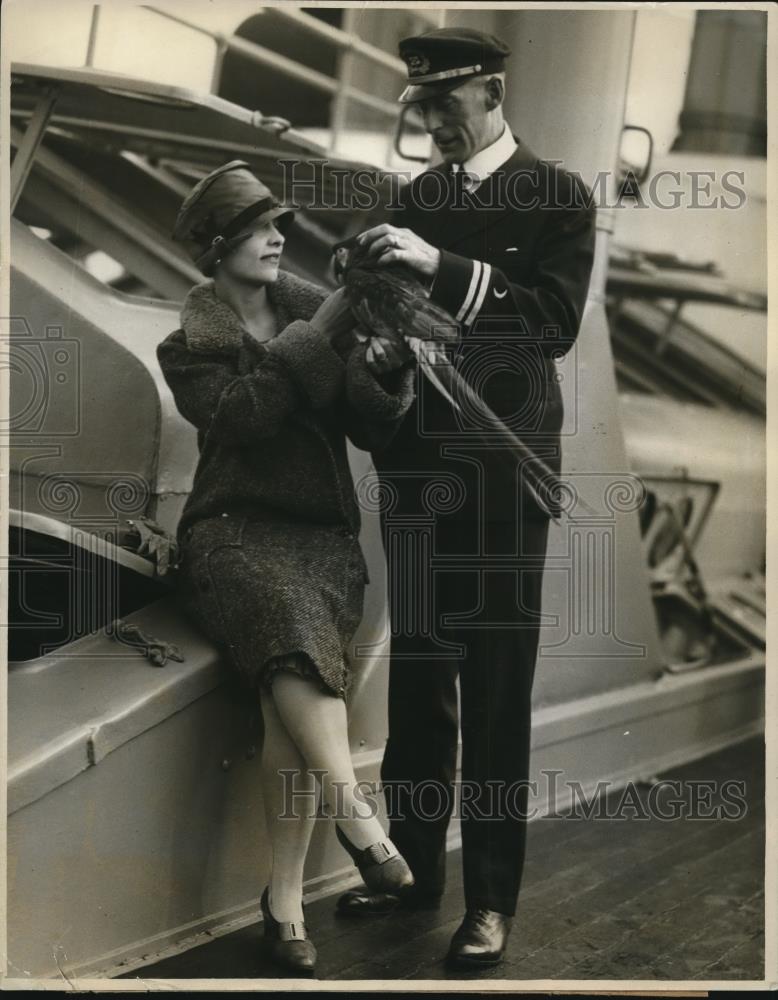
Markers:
<point>505,242</point>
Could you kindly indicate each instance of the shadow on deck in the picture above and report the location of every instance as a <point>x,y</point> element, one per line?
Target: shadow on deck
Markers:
<point>601,899</point>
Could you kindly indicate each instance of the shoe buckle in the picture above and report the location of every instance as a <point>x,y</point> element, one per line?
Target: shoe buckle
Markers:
<point>292,930</point>
<point>381,851</point>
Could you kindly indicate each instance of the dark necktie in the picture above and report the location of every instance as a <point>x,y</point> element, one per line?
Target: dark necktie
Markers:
<point>463,184</point>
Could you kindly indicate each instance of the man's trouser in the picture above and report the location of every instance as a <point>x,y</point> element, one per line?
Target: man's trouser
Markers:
<point>489,573</point>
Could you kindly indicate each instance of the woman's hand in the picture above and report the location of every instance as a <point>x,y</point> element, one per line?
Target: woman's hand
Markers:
<point>384,355</point>
<point>333,318</point>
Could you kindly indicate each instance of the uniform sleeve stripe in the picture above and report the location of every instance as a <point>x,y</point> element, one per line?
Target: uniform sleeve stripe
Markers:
<point>486,276</point>
<point>477,268</point>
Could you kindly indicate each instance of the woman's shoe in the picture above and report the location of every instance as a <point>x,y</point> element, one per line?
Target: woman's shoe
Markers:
<point>381,865</point>
<point>288,942</point>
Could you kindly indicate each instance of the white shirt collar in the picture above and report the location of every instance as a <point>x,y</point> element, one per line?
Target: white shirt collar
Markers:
<point>490,159</point>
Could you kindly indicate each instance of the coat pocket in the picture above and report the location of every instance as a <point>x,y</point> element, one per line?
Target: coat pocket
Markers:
<point>200,589</point>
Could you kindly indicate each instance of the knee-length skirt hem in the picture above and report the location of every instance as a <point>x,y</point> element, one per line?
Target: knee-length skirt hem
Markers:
<point>273,592</point>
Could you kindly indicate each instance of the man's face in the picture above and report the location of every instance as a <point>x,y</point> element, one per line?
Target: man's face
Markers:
<point>457,121</point>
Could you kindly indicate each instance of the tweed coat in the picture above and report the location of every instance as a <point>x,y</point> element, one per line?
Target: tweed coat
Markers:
<point>271,562</point>
<point>516,256</point>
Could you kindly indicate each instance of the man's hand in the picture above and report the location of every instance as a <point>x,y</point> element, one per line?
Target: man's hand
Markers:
<point>384,355</point>
<point>388,245</point>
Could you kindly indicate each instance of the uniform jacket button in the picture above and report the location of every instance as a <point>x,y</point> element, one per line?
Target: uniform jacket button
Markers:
<point>204,582</point>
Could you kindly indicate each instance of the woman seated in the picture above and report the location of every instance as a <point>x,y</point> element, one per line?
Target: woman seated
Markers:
<point>268,369</point>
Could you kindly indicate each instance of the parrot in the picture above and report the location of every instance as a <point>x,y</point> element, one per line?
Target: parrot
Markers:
<point>389,300</point>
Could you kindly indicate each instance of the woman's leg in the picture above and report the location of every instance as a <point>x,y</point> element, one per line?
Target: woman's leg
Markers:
<point>289,838</point>
<point>317,724</point>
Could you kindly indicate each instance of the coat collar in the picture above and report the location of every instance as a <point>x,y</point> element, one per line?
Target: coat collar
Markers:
<point>211,325</point>
<point>491,200</point>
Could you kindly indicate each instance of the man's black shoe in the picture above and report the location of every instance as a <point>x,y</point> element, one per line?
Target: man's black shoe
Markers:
<point>363,903</point>
<point>479,940</point>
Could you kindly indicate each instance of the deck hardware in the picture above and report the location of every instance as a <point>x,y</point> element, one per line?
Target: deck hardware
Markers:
<point>155,650</point>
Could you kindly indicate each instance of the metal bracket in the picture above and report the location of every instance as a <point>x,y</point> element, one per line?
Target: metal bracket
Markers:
<point>28,145</point>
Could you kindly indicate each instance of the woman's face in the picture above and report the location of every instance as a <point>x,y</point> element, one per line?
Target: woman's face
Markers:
<point>255,260</point>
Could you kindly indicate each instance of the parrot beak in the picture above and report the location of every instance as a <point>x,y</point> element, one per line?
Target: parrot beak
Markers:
<point>340,255</point>
<point>345,244</point>
<point>339,263</point>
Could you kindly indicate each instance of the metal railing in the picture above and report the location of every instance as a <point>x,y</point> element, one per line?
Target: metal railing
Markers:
<point>348,44</point>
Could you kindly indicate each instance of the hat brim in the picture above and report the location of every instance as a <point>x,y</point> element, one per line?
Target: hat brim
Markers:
<point>421,91</point>
<point>269,215</point>
<point>208,256</point>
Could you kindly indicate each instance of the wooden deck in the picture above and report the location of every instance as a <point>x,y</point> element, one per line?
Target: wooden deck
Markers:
<point>601,899</point>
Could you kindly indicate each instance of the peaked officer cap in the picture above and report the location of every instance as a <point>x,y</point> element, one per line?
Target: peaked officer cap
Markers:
<point>440,60</point>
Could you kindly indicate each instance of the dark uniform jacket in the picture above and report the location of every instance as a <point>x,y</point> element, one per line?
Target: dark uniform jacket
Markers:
<point>516,256</point>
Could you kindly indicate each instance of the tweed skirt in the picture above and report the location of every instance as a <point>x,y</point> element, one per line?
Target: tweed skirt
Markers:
<point>276,594</point>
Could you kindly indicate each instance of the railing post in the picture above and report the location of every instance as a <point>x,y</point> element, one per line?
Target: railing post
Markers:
<point>345,63</point>
<point>222,48</point>
<point>92,43</point>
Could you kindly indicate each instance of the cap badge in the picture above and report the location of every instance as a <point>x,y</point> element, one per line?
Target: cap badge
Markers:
<point>418,64</point>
